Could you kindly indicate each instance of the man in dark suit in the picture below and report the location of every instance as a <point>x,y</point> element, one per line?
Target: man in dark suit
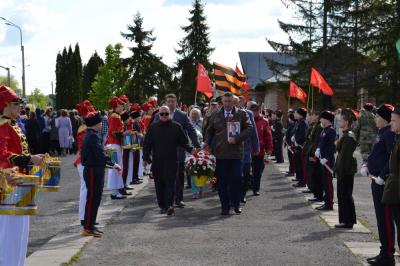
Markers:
<point>181,118</point>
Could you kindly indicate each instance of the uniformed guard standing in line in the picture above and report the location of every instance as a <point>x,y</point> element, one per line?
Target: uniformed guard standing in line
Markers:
<point>14,152</point>
<point>391,193</point>
<point>290,147</point>
<point>314,168</point>
<point>306,147</point>
<point>298,138</point>
<point>345,169</point>
<point>326,154</point>
<point>94,162</point>
<point>377,168</point>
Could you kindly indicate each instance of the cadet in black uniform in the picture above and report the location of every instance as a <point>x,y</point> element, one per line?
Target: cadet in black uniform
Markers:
<point>298,138</point>
<point>277,135</point>
<point>290,147</point>
<point>345,169</point>
<point>326,154</point>
<point>377,169</point>
<point>94,161</point>
<point>314,167</point>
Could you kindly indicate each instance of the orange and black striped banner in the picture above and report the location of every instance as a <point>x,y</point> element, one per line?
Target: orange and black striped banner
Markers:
<point>227,79</point>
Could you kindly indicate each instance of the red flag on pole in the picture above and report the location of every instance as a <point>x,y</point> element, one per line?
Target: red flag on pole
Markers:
<point>296,92</point>
<point>318,81</point>
<point>203,81</point>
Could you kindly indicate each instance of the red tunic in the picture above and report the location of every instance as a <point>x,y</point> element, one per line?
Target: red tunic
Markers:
<point>80,136</point>
<point>14,150</point>
<point>146,122</point>
<point>129,125</point>
<point>115,126</point>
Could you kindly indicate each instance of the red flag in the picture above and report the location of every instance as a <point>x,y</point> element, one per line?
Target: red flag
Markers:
<point>296,92</point>
<point>318,81</point>
<point>203,81</point>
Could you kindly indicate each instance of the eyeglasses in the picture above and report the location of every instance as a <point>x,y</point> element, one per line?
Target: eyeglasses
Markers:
<point>164,114</point>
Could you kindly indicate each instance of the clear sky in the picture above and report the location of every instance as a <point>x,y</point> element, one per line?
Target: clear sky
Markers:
<point>49,25</point>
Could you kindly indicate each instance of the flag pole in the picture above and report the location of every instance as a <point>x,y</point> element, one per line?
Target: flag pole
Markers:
<point>308,98</point>
<point>195,98</point>
<point>312,100</point>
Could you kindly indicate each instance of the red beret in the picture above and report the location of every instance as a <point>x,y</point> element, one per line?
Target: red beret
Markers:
<point>146,107</point>
<point>114,102</point>
<point>153,102</point>
<point>135,107</point>
<point>84,108</point>
<point>125,99</point>
<point>7,95</point>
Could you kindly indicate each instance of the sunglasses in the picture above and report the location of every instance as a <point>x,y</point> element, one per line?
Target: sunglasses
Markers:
<point>164,114</point>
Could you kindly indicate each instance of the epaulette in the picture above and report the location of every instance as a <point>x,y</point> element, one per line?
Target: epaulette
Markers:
<point>351,134</point>
<point>82,128</point>
<point>115,115</point>
<point>4,121</point>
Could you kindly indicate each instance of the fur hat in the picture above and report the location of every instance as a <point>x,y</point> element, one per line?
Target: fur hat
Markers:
<point>328,115</point>
<point>302,111</point>
<point>385,111</point>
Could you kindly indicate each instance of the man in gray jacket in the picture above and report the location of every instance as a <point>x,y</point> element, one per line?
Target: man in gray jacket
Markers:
<point>228,129</point>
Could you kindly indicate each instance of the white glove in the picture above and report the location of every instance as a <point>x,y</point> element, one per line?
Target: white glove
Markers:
<point>379,181</point>
<point>117,167</point>
<point>323,161</point>
<point>293,139</point>
<point>364,170</point>
<point>317,153</point>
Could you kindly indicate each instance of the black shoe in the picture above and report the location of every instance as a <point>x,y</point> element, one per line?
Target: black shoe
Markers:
<point>344,226</point>
<point>295,180</point>
<point>238,210</point>
<point>315,200</point>
<point>324,208</point>
<point>225,212</point>
<point>256,193</point>
<point>383,261</point>
<point>136,182</point>
<point>124,193</point>
<point>289,174</point>
<point>180,204</point>
<point>298,185</point>
<point>170,211</point>
<point>163,211</point>
<point>373,259</point>
<point>117,197</point>
<point>128,188</point>
<point>243,201</point>
<point>306,191</point>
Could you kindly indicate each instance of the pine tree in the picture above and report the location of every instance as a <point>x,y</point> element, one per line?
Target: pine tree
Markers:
<point>77,75</point>
<point>144,67</point>
<point>89,73</point>
<point>194,48</point>
<point>110,79</point>
<point>62,86</point>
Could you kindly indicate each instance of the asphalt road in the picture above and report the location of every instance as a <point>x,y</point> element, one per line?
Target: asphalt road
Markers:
<point>58,211</point>
<point>277,228</point>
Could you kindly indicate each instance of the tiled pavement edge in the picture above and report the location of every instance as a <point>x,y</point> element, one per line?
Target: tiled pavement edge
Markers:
<point>364,247</point>
<point>60,249</point>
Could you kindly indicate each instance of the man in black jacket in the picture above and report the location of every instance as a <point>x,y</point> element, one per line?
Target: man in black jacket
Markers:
<point>160,144</point>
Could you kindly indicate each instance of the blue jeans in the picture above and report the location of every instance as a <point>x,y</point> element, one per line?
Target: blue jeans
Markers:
<point>229,182</point>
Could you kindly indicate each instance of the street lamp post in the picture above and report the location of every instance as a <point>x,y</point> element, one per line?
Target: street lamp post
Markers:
<point>9,23</point>
<point>8,75</point>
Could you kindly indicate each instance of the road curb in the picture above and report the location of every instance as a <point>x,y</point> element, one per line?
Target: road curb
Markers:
<point>62,248</point>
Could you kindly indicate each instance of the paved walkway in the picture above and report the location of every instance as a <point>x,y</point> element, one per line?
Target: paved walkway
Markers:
<point>277,228</point>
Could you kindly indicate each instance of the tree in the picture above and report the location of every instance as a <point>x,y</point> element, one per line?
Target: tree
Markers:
<point>110,79</point>
<point>194,48</point>
<point>145,69</point>
<point>68,78</point>
<point>14,83</point>
<point>89,73</point>
<point>38,99</point>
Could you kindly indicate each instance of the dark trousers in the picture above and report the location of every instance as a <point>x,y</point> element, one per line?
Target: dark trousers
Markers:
<point>308,171</point>
<point>300,165</point>
<point>347,210</point>
<point>246,178</point>
<point>278,151</point>
<point>125,165</point>
<point>258,169</point>
<point>94,180</point>
<point>327,186</point>
<point>291,156</point>
<point>180,182</point>
<point>229,182</point>
<point>136,162</point>
<point>165,190</point>
<point>384,221</point>
<point>316,180</point>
